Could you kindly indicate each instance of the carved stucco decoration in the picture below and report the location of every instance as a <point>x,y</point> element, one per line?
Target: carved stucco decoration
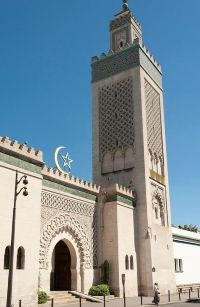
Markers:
<point>65,223</point>
<point>85,213</point>
<point>158,202</point>
<point>158,196</point>
<point>64,203</point>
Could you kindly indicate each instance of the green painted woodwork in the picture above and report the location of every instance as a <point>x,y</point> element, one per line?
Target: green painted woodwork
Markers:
<point>66,189</point>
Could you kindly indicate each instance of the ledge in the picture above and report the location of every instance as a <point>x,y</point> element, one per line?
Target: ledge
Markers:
<point>66,180</point>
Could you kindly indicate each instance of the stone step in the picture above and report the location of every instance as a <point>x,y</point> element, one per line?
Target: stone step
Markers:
<point>60,295</point>
<point>62,298</point>
<point>53,294</point>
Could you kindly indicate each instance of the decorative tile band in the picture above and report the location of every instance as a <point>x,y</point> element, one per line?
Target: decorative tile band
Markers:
<point>119,198</point>
<point>20,163</point>
<point>126,59</point>
<point>62,188</point>
<point>115,63</point>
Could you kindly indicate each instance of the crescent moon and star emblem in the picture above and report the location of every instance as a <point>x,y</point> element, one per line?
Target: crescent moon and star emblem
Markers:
<point>60,157</point>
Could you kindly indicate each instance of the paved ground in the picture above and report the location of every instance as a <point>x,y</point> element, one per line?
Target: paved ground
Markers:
<point>136,302</point>
<point>184,305</point>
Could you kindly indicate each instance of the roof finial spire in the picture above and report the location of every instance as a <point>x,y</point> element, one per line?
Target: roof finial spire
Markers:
<point>125,5</point>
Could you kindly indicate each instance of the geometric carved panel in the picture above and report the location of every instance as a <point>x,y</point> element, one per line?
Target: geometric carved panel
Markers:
<point>61,202</point>
<point>159,205</point>
<point>154,126</point>
<point>116,116</point>
<point>61,223</point>
<point>79,218</point>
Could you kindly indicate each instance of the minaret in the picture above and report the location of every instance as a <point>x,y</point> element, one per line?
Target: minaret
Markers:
<point>129,145</point>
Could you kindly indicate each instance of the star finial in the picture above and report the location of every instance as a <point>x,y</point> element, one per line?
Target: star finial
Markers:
<point>67,161</point>
<point>125,5</point>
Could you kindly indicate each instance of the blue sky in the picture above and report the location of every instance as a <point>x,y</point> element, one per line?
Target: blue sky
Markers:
<point>45,91</point>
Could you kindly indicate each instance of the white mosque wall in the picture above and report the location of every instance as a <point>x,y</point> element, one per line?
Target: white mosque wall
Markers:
<point>27,235</point>
<point>187,256</point>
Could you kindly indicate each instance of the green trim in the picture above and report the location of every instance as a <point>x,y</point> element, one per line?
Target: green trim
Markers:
<point>20,163</point>
<point>63,188</point>
<point>114,55</point>
<point>150,68</point>
<point>125,200</point>
<point>121,199</point>
<point>115,63</point>
<point>131,57</point>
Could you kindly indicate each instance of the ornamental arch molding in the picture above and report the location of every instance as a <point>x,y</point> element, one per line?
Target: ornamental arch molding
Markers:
<point>158,196</point>
<point>159,204</point>
<point>61,224</point>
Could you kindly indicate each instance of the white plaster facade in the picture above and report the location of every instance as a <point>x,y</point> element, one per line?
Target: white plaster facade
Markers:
<point>187,249</point>
<point>27,235</point>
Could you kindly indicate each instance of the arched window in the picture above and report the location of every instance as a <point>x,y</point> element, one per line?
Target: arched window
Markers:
<point>126,262</point>
<point>131,263</point>
<point>20,258</point>
<point>7,258</point>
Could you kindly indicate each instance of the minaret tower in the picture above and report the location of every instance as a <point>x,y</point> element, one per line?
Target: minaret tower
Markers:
<point>129,145</point>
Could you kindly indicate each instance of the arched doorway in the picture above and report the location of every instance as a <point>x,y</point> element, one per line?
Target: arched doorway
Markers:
<point>62,267</point>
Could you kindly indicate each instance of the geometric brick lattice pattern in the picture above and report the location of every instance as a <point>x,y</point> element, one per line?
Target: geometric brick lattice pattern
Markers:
<point>154,127</point>
<point>116,116</point>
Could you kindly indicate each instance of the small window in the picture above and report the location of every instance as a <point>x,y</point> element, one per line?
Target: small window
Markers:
<point>181,265</point>
<point>121,44</point>
<point>126,262</point>
<point>178,265</point>
<point>20,258</point>
<point>131,263</point>
<point>7,258</point>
